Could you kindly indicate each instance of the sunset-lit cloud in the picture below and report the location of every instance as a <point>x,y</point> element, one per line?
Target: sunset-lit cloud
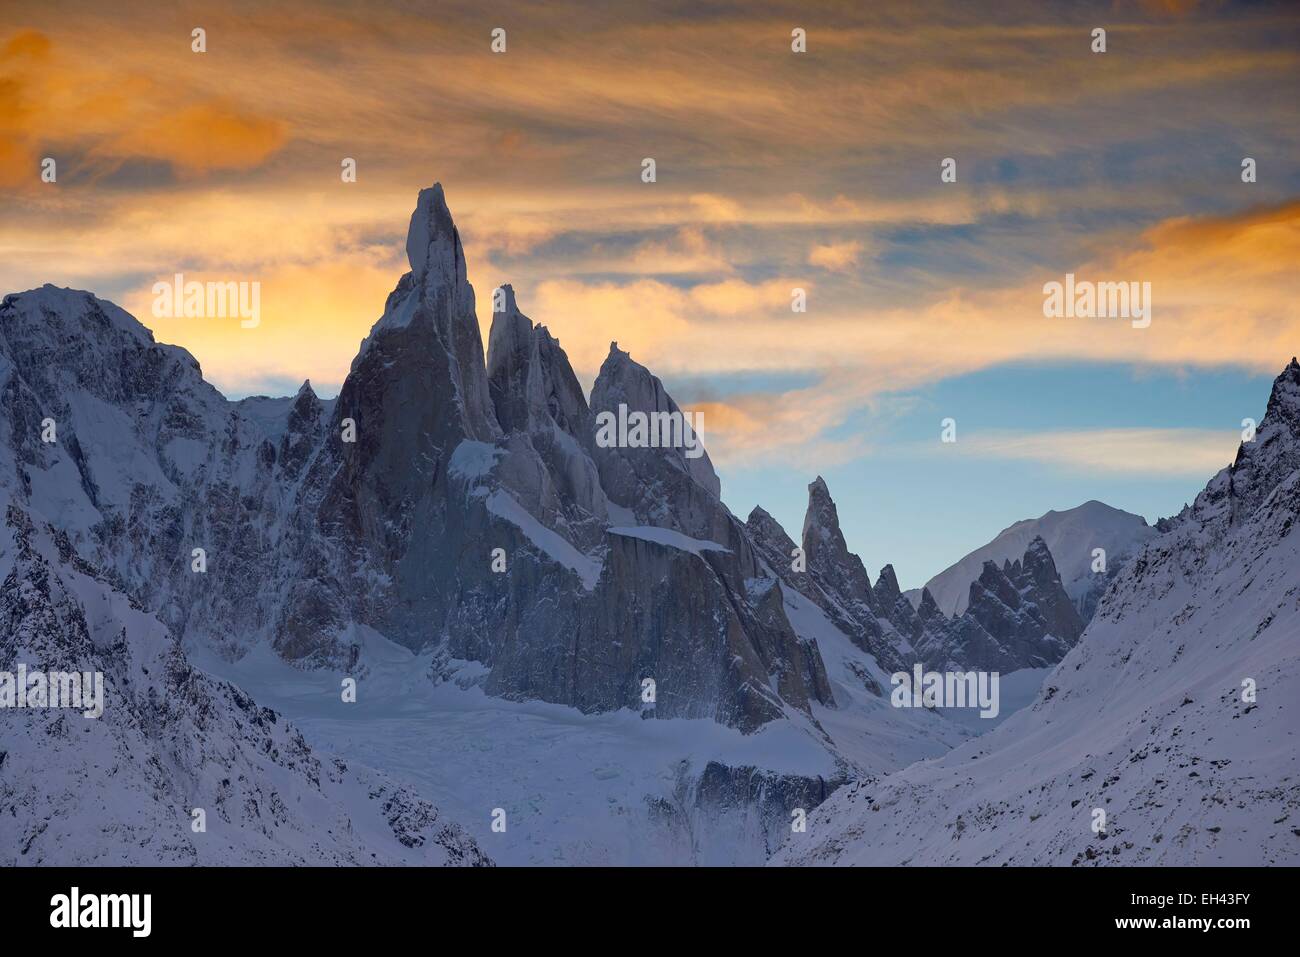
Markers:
<point>1225,291</point>
<point>57,102</point>
<point>775,171</point>
<point>835,256</point>
<point>198,138</point>
<point>1195,453</point>
<point>312,317</point>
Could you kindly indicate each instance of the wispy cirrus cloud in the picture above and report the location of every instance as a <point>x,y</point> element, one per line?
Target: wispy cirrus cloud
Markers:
<point>1224,289</point>
<point>1135,452</point>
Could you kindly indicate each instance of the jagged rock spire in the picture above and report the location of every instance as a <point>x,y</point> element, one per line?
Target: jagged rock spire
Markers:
<point>825,547</point>
<point>886,590</point>
<point>432,241</point>
<point>624,381</point>
<point>516,381</point>
<point>530,379</point>
<point>434,298</point>
<point>928,609</point>
<point>1025,618</point>
<point>842,576</point>
<point>1270,457</point>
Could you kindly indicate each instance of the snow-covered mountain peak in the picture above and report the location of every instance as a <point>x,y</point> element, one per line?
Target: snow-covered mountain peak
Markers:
<point>1173,712</point>
<point>1281,423</point>
<point>1071,535</point>
<point>73,312</point>
<point>123,786</point>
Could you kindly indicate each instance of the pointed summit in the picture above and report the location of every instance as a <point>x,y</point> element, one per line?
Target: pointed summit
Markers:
<point>778,549</point>
<point>432,242</point>
<point>624,381</point>
<point>821,522</point>
<point>840,574</point>
<point>767,529</point>
<point>530,378</point>
<point>891,603</point>
<point>1036,576</point>
<point>617,364</point>
<point>514,367</point>
<point>429,332</point>
<point>886,590</point>
<point>1017,616</point>
<point>507,300</point>
<point>306,405</point>
<point>929,608</point>
<point>1284,400</point>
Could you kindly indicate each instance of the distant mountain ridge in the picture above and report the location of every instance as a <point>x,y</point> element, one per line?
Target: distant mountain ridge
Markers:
<point>301,525</point>
<point>1017,616</point>
<point>1071,536</point>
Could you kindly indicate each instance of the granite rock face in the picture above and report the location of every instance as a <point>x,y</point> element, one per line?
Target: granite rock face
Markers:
<point>120,442</point>
<point>1017,616</point>
<point>843,581</point>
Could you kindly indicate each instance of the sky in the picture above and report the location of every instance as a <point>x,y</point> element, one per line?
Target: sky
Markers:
<point>775,170</point>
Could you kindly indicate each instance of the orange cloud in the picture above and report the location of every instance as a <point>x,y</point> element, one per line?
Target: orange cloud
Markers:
<point>760,153</point>
<point>836,257</point>
<point>200,138</point>
<point>313,318</point>
<point>64,105</point>
<point>1191,453</point>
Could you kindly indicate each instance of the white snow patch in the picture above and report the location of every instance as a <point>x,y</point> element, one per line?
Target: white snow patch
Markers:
<point>503,505</point>
<point>473,460</point>
<point>669,537</point>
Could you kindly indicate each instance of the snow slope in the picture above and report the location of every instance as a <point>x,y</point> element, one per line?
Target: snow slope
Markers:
<point>122,788</point>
